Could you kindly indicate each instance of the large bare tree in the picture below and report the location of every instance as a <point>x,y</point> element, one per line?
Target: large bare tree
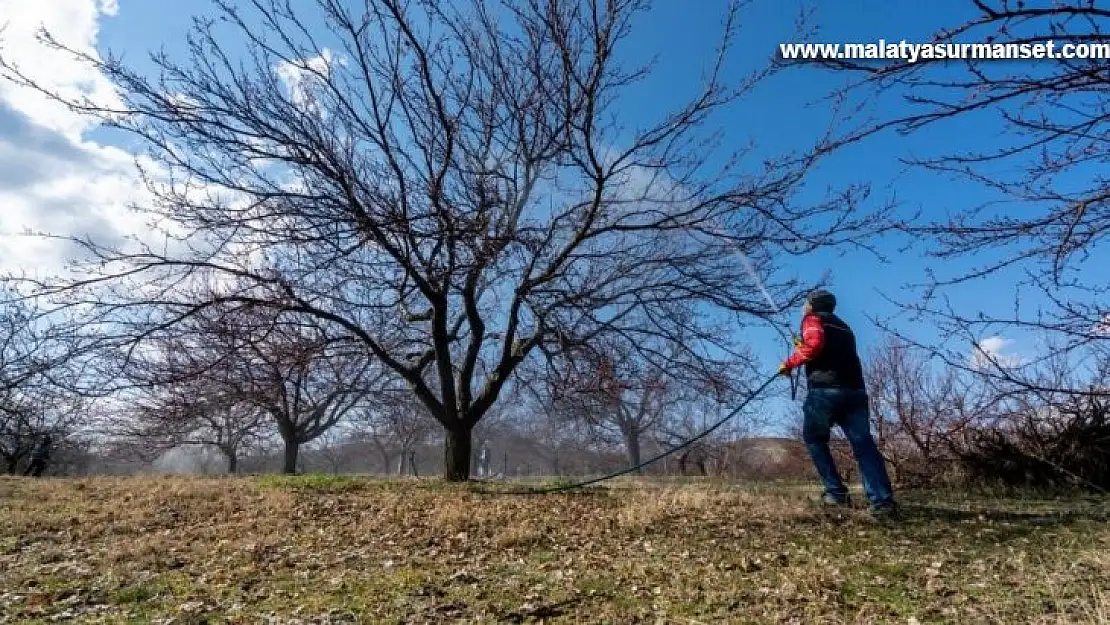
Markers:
<point>457,186</point>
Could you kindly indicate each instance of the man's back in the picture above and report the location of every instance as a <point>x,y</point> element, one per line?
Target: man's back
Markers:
<point>836,363</point>
<point>41,451</point>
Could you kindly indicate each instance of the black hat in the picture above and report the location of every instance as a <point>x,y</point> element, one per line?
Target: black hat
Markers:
<point>821,301</point>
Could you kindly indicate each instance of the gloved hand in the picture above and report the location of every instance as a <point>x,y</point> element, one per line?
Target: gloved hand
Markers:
<point>797,340</point>
<point>783,370</point>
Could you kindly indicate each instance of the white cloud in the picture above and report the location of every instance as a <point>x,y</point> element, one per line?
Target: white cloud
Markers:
<point>53,178</point>
<point>991,352</point>
<point>299,78</point>
<point>109,7</point>
<point>74,23</point>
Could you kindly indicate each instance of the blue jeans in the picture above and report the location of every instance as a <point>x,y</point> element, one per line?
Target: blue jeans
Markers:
<point>826,407</point>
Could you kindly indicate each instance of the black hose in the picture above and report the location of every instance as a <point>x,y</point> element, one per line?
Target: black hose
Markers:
<point>609,476</point>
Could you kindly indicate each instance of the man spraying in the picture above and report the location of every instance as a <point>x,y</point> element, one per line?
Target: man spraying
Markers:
<point>837,396</point>
<point>40,455</point>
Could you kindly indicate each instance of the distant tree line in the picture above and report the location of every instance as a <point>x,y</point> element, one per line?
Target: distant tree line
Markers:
<point>937,425</point>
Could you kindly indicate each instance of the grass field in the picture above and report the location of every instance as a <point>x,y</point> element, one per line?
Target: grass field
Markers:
<point>351,550</point>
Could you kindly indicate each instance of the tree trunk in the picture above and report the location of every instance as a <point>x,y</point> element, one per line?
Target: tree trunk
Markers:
<point>232,463</point>
<point>386,457</point>
<point>457,450</point>
<point>292,448</point>
<point>401,461</point>
<point>632,448</point>
<point>13,464</point>
<point>387,463</point>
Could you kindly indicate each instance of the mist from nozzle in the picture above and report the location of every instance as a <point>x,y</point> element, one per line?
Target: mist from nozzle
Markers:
<point>758,280</point>
<point>763,289</point>
<point>755,276</point>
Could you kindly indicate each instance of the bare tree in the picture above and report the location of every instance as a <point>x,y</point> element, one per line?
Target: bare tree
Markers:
<point>920,409</point>
<point>622,397</point>
<point>1047,222</point>
<point>453,186</point>
<point>27,417</point>
<point>197,416</point>
<point>225,373</point>
<point>188,388</point>
<point>33,357</point>
<point>396,423</point>
<point>337,449</point>
<point>306,382</point>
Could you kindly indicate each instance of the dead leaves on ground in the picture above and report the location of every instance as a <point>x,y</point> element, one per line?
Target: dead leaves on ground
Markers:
<point>247,550</point>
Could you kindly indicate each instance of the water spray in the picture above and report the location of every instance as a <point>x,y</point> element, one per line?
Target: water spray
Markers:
<point>755,276</point>
<point>793,340</point>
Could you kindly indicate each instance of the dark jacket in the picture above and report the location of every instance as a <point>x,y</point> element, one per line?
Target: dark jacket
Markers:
<point>41,452</point>
<point>828,351</point>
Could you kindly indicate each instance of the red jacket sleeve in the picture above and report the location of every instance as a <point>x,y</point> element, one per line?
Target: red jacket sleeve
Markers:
<point>813,339</point>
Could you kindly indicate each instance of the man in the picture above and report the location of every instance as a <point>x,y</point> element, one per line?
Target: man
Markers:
<point>483,461</point>
<point>837,396</point>
<point>39,457</point>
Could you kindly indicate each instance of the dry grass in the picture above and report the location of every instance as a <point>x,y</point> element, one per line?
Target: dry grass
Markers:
<point>313,549</point>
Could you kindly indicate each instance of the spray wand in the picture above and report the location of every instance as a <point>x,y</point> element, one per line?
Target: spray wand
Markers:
<point>794,340</point>
<point>795,378</point>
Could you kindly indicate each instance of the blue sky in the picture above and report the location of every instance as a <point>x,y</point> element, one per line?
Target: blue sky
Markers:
<point>785,113</point>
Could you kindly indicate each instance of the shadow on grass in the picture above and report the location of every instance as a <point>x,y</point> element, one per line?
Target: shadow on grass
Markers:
<point>539,611</point>
<point>940,513</point>
<point>927,518</point>
<point>316,483</point>
<point>504,489</point>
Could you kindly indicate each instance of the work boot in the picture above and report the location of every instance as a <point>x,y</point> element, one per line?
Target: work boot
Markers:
<point>830,500</point>
<point>885,512</point>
